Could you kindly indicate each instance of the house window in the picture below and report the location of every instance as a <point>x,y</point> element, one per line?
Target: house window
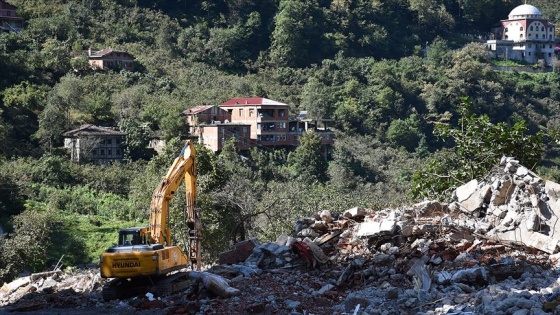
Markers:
<point>281,125</point>
<point>102,152</point>
<point>240,111</point>
<point>521,35</point>
<point>506,29</point>
<point>537,36</point>
<point>281,112</point>
<point>250,112</point>
<point>244,141</point>
<point>531,28</point>
<point>109,152</point>
<point>521,28</point>
<point>118,141</point>
<point>109,141</point>
<point>245,129</point>
<point>94,152</point>
<point>542,28</point>
<point>118,152</point>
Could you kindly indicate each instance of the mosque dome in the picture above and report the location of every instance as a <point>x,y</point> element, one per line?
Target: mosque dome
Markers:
<point>525,11</point>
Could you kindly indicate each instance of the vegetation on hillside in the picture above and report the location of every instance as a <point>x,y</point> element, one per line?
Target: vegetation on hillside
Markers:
<point>416,103</point>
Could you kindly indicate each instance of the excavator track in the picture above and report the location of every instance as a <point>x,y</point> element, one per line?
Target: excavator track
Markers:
<point>125,288</point>
<point>162,286</point>
<point>174,283</point>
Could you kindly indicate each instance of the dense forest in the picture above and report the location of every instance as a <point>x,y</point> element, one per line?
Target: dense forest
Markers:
<point>417,106</point>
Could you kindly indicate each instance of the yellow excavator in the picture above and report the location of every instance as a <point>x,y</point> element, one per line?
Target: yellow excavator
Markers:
<point>145,257</point>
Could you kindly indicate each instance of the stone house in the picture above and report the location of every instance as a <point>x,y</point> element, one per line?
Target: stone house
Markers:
<point>110,59</point>
<point>212,126</point>
<point>90,143</point>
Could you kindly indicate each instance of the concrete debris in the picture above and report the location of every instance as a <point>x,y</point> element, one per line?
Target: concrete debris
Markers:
<point>493,248</point>
<point>241,252</point>
<point>215,283</point>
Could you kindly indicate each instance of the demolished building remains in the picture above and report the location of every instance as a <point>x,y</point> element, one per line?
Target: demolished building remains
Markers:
<point>493,249</point>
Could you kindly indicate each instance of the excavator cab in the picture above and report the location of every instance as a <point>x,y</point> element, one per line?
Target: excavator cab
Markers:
<point>132,236</point>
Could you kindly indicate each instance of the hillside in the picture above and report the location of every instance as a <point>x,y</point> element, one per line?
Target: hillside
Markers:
<point>416,102</point>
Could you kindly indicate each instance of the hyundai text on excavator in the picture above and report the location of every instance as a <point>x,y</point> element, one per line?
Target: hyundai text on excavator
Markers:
<point>144,257</point>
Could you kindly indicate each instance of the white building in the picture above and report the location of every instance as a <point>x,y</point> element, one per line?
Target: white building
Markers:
<point>524,36</point>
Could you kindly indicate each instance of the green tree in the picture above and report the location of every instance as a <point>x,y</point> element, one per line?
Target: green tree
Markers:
<point>27,247</point>
<point>297,39</point>
<point>315,99</point>
<point>26,95</point>
<point>477,144</point>
<point>307,162</point>
<point>405,133</point>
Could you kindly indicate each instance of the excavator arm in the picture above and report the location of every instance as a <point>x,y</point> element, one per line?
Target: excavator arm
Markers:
<point>182,169</point>
<point>147,252</point>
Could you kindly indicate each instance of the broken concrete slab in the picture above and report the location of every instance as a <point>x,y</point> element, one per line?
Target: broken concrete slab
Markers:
<point>476,200</point>
<point>523,236</point>
<point>354,213</point>
<point>465,191</point>
<point>8,288</point>
<point>372,228</point>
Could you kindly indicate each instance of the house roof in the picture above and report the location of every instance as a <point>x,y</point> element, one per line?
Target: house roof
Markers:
<point>196,109</point>
<point>6,6</point>
<point>105,52</point>
<point>92,130</point>
<point>250,101</point>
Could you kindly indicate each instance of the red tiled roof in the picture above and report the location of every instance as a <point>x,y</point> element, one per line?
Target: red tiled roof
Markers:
<point>250,101</point>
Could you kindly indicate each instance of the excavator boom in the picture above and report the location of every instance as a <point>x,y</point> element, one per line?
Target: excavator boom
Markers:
<point>148,251</point>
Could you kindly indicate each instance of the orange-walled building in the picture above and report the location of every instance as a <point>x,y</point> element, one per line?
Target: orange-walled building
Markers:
<point>254,121</point>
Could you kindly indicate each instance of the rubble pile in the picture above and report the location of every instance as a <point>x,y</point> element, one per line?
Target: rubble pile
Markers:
<point>494,249</point>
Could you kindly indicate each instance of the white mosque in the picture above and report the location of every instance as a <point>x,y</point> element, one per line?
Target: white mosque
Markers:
<point>524,36</point>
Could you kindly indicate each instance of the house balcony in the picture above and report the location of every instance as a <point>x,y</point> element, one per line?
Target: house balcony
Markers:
<point>327,136</point>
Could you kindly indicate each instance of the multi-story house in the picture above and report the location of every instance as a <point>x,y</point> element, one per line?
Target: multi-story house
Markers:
<point>90,143</point>
<point>110,59</point>
<point>9,20</point>
<point>213,127</point>
<point>268,119</point>
<point>253,121</point>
